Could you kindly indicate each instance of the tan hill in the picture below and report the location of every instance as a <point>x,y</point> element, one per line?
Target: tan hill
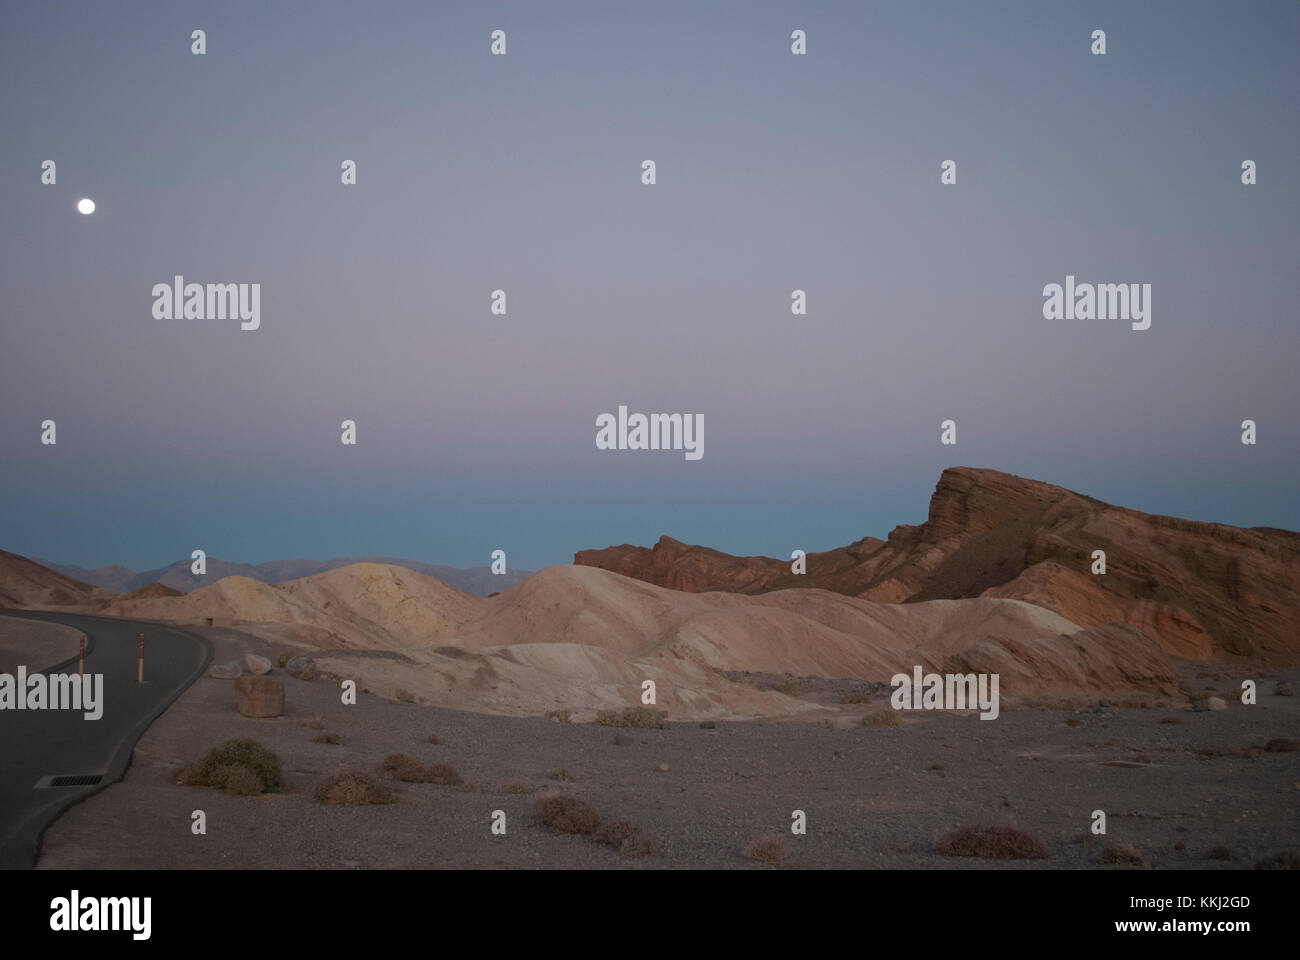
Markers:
<point>152,591</point>
<point>479,581</point>
<point>587,627</point>
<point>363,606</point>
<point>25,584</point>
<point>1199,590</point>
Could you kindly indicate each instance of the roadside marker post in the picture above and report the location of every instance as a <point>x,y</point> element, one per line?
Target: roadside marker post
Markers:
<point>139,674</point>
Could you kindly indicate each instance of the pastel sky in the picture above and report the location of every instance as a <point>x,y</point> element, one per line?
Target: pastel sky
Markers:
<point>775,172</point>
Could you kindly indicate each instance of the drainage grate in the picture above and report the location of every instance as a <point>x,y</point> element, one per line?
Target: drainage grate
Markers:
<point>70,780</point>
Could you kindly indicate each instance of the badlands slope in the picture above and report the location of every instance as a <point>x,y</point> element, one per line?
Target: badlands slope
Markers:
<point>584,639</point>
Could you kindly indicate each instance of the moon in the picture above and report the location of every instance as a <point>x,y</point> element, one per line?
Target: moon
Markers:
<point>86,205</point>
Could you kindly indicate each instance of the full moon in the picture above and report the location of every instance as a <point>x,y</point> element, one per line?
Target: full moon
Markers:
<point>86,205</point>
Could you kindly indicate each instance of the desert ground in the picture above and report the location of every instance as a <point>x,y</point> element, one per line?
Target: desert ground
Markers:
<point>1181,787</point>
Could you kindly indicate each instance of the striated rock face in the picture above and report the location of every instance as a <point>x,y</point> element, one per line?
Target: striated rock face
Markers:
<point>1199,590</point>
<point>679,566</point>
<point>1114,659</point>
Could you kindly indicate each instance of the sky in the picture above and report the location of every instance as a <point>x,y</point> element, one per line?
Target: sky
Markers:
<point>522,172</point>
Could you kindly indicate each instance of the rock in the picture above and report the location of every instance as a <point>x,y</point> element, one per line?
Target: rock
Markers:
<point>259,696</point>
<point>1221,590</point>
<point>226,671</point>
<point>258,666</point>
<point>297,666</point>
<point>1218,703</point>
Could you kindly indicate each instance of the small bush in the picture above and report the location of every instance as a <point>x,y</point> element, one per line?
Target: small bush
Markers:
<point>992,843</point>
<point>240,781</point>
<point>789,686</point>
<point>856,697</point>
<point>314,723</point>
<point>1073,722</point>
<point>644,717</point>
<point>431,738</point>
<point>1282,745</point>
<point>518,788</point>
<point>1283,689</point>
<point>627,838</point>
<point>353,788</point>
<point>563,774</point>
<point>769,849</point>
<point>1121,855</point>
<point>565,814</point>
<point>237,765</point>
<point>884,718</point>
<point>404,696</point>
<point>559,716</point>
<point>409,770</point>
<point>327,738</point>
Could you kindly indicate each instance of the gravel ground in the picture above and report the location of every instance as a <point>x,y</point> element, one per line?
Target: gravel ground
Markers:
<point>875,797</point>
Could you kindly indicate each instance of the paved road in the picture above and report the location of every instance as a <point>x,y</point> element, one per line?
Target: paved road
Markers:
<point>39,743</point>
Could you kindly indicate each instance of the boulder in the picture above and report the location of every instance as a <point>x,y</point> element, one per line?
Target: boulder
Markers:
<point>302,667</point>
<point>1218,703</point>
<point>226,671</point>
<point>258,666</point>
<point>259,696</point>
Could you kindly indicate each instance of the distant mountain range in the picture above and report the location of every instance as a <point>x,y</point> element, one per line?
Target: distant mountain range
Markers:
<point>479,581</point>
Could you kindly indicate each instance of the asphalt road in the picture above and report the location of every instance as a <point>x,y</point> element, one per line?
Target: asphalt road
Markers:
<point>40,743</point>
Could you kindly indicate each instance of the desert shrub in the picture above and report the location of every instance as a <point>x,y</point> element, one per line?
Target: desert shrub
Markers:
<point>327,738</point>
<point>559,716</point>
<point>518,788</point>
<point>565,814</point>
<point>1282,745</point>
<point>993,843</point>
<point>1283,689</point>
<point>789,686</point>
<point>353,788</point>
<point>404,696</point>
<point>627,838</point>
<point>237,765</point>
<point>562,774</point>
<point>1121,855</point>
<point>1286,860</point>
<point>1073,721</point>
<point>769,849</point>
<point>857,696</point>
<point>644,717</point>
<point>314,723</point>
<point>884,718</point>
<point>406,768</point>
<point>431,738</point>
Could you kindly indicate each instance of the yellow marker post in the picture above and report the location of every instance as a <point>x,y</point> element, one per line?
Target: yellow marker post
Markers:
<point>81,658</point>
<point>139,676</point>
